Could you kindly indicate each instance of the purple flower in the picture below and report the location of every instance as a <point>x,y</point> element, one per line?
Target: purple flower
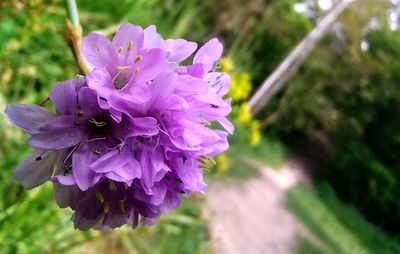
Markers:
<point>130,138</point>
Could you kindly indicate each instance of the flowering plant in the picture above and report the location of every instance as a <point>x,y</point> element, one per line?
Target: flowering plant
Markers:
<point>132,136</point>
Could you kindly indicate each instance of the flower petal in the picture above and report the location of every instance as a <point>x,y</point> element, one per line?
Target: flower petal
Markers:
<point>64,97</point>
<point>161,90</point>
<point>143,126</point>
<point>152,163</point>
<point>26,116</point>
<point>131,170</point>
<point>209,54</point>
<point>191,175</point>
<point>57,133</point>
<point>128,41</point>
<point>152,39</point>
<point>134,93</point>
<point>88,102</point>
<point>219,82</point>
<point>36,168</point>
<point>100,52</point>
<point>172,200</point>
<point>109,162</point>
<point>84,176</point>
<point>153,62</point>
<point>179,49</point>
<point>64,195</point>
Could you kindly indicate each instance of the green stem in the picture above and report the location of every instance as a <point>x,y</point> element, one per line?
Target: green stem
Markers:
<point>74,30</point>
<point>72,11</point>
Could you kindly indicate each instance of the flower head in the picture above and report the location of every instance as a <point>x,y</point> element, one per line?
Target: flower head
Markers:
<point>130,138</point>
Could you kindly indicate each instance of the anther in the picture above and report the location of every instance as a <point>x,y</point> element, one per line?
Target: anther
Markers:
<point>98,124</point>
<point>205,122</point>
<point>96,151</point>
<point>136,71</point>
<point>120,50</point>
<point>138,58</point>
<point>106,207</point>
<point>124,68</point>
<point>206,162</point>
<point>112,186</point>
<point>122,205</point>
<point>130,45</point>
<point>214,106</point>
<point>99,197</point>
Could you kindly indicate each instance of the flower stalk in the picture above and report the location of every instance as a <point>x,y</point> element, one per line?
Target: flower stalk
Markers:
<point>74,38</point>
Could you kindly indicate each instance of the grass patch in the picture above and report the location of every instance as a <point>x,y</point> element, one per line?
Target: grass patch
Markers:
<point>304,246</point>
<point>270,152</point>
<point>340,227</point>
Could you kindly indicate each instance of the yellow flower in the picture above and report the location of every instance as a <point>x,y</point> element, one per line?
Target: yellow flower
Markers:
<point>244,114</point>
<point>223,163</point>
<point>226,64</point>
<point>255,135</point>
<point>240,86</point>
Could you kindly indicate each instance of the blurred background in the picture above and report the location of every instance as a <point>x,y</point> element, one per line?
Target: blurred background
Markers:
<point>316,170</point>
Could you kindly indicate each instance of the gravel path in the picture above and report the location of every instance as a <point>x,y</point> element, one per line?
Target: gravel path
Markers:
<point>249,217</point>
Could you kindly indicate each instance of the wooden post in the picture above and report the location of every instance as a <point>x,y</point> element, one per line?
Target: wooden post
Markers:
<point>295,59</point>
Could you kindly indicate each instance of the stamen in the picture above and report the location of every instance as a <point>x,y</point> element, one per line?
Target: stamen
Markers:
<point>136,71</point>
<point>96,139</point>
<point>214,106</point>
<point>120,50</point>
<point>130,45</point>
<point>206,162</point>
<point>122,205</point>
<point>124,68</point>
<point>106,207</point>
<point>138,58</point>
<point>112,186</point>
<point>70,153</point>
<point>98,124</point>
<point>205,122</point>
<point>96,151</point>
<point>100,197</point>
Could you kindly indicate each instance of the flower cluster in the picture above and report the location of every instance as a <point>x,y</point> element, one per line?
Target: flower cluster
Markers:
<point>132,136</point>
<point>240,89</point>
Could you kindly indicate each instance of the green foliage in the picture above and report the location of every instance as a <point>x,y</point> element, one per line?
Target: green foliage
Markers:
<point>338,227</point>
<point>348,100</point>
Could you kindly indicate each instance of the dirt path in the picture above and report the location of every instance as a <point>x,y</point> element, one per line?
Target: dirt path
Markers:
<point>249,217</point>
